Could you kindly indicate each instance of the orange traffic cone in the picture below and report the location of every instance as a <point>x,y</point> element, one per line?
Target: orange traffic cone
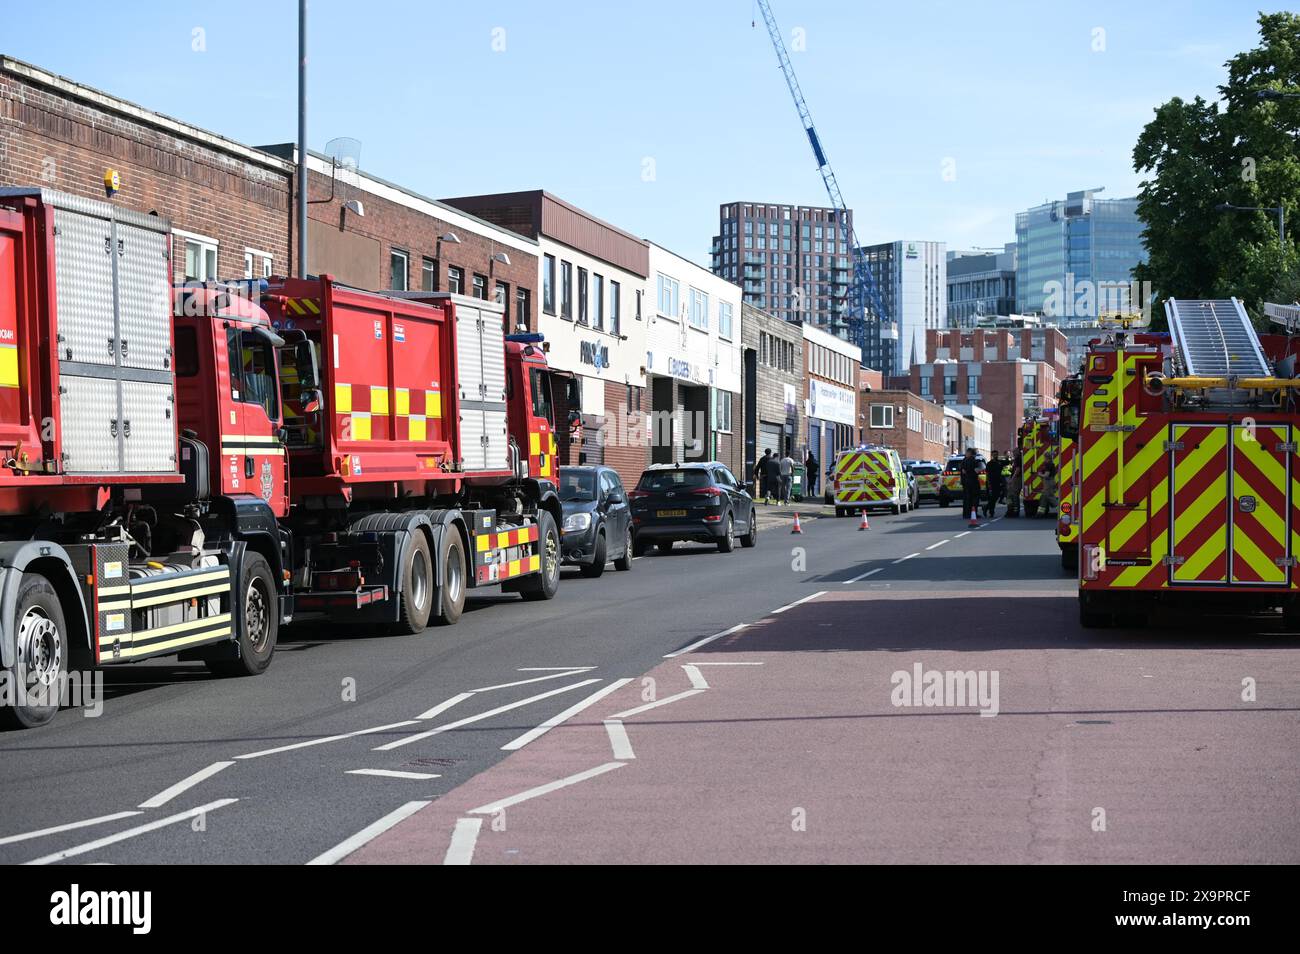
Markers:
<point>974,522</point>
<point>796,528</point>
<point>864,525</point>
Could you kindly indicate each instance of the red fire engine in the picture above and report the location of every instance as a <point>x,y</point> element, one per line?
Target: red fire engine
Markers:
<point>182,472</point>
<point>1187,458</point>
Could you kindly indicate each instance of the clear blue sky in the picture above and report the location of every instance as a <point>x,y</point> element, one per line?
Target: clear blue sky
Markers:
<point>584,92</point>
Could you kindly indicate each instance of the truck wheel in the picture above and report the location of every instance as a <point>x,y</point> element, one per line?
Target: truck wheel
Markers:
<point>1291,617</point>
<point>416,598</point>
<point>1092,615</point>
<point>542,585</point>
<point>1031,508</point>
<point>42,655</point>
<point>453,578</point>
<point>600,556</point>
<point>943,500</point>
<point>1070,558</point>
<point>625,561</point>
<point>261,621</point>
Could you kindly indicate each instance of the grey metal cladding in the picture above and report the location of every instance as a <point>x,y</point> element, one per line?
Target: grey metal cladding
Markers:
<point>84,288</point>
<point>89,421</point>
<point>144,300</point>
<point>149,444</point>
<point>469,354</point>
<point>94,207</point>
<point>494,356</point>
<point>473,429</point>
<point>497,448</point>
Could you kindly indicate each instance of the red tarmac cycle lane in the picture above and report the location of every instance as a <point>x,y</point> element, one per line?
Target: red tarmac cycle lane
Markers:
<point>805,757</point>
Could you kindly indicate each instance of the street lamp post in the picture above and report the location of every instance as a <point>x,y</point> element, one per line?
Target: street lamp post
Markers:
<point>1280,210</point>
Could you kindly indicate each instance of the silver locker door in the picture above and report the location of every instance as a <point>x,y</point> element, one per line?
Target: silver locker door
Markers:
<point>89,412</point>
<point>150,443</point>
<point>496,452</point>
<point>144,304</point>
<point>84,276</point>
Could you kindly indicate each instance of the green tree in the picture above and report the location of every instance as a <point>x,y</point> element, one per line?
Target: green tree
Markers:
<point>1241,150</point>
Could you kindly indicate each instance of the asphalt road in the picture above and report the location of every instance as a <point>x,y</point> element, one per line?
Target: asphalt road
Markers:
<point>1151,724</point>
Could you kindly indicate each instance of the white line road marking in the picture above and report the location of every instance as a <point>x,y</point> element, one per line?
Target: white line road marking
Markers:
<point>70,826</point>
<point>494,807</point>
<point>706,640</point>
<point>790,606</point>
<point>935,546</point>
<point>167,794</point>
<point>549,669</point>
<point>328,738</point>
<point>962,534</point>
<point>553,721</point>
<point>524,682</point>
<point>906,558</point>
<point>132,832</point>
<point>398,743</point>
<point>463,839</point>
<point>656,704</point>
<point>863,576</point>
<point>367,834</point>
<point>695,676</point>
<point>618,739</point>
<point>392,773</point>
<point>444,705</point>
<point>729,664</point>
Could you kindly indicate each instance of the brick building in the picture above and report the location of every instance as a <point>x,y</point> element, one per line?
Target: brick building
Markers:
<point>592,277</point>
<point>832,368</point>
<point>1008,372</point>
<point>230,205</point>
<point>371,233</point>
<point>772,358</point>
<point>904,421</point>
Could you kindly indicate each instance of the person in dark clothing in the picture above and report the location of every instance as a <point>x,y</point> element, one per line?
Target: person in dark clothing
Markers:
<point>970,487</point>
<point>773,468</point>
<point>810,466</point>
<point>996,485</point>
<point>760,474</point>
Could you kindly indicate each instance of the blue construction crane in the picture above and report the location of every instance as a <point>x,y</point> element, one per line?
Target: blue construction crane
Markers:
<point>863,292</point>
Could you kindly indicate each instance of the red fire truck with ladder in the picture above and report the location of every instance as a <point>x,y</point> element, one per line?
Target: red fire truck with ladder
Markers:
<point>180,476</point>
<point>1187,460</point>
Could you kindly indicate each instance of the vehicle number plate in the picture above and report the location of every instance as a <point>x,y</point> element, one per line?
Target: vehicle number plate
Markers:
<point>672,513</point>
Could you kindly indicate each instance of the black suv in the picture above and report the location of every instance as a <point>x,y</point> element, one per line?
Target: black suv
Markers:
<point>703,503</point>
<point>597,523</point>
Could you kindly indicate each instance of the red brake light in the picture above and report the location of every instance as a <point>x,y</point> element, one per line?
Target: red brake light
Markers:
<point>637,494</point>
<point>707,492</point>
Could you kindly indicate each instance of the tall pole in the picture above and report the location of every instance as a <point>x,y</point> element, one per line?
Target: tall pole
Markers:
<point>302,138</point>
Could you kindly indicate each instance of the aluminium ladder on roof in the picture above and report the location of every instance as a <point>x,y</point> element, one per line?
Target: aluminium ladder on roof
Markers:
<point>1215,338</point>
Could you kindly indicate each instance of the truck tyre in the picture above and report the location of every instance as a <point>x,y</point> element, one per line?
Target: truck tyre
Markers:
<point>600,557</point>
<point>1091,613</point>
<point>625,561</point>
<point>452,586</point>
<point>1070,558</point>
<point>42,655</point>
<point>943,500</point>
<point>543,584</point>
<point>415,602</point>
<point>1031,508</point>
<point>727,542</point>
<point>260,622</point>
<point>1291,617</point>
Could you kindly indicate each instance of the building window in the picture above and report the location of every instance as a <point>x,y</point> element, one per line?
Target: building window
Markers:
<point>256,264</point>
<point>882,415</point>
<point>598,301</point>
<point>583,292</point>
<point>456,280</point>
<point>428,275</point>
<point>972,385</point>
<point>200,260</point>
<point>722,411</point>
<point>669,292</point>
<point>548,284</point>
<point>566,290</point>
<point>724,319</point>
<point>1030,382</point>
<point>925,386</point>
<point>397,265</point>
<point>914,419</point>
<point>479,289</point>
<point>638,304</point>
<point>523,312</point>
<point>950,385</point>
<point>699,315</point>
<point>615,307</point>
<point>502,297</point>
